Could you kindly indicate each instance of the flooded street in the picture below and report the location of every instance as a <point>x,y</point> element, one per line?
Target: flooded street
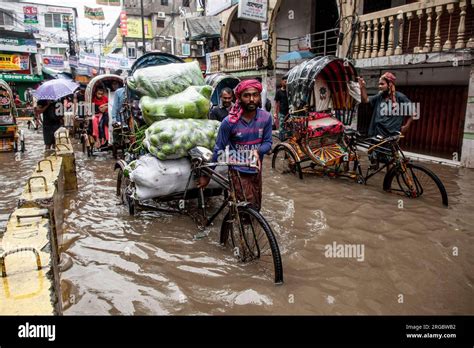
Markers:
<point>418,259</point>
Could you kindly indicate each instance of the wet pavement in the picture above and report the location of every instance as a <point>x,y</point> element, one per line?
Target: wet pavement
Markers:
<point>417,259</point>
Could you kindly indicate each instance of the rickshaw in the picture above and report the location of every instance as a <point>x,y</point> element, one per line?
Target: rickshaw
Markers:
<point>87,139</point>
<point>323,95</point>
<point>243,229</point>
<point>11,138</point>
<point>218,82</point>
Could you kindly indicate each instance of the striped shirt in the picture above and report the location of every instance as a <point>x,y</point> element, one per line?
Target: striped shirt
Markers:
<point>242,138</point>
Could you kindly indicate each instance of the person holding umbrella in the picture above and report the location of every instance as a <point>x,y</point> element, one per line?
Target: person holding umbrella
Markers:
<point>48,95</point>
<point>51,122</point>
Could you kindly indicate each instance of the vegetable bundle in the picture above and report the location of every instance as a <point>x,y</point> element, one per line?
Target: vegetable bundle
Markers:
<point>166,80</point>
<point>173,138</point>
<point>191,103</point>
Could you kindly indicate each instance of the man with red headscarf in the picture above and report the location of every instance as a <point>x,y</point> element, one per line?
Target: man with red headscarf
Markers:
<point>246,131</point>
<point>390,107</point>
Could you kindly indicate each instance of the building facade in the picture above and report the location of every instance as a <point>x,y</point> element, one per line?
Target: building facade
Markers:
<point>249,48</point>
<point>49,24</point>
<point>428,46</point>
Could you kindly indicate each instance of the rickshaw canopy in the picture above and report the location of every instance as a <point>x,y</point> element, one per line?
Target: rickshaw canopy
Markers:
<point>96,81</point>
<point>218,82</point>
<point>334,75</point>
<point>153,59</point>
<point>7,107</point>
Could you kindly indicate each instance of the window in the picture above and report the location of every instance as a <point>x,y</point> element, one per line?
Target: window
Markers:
<point>164,2</point>
<point>52,20</point>
<point>186,3</point>
<point>131,52</point>
<point>57,50</point>
<point>160,23</point>
<point>6,18</point>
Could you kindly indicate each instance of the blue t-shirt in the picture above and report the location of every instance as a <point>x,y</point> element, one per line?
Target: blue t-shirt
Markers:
<point>242,138</point>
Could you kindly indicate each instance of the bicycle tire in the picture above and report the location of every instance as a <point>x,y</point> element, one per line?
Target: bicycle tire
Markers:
<point>122,183</point>
<point>402,182</point>
<point>293,168</point>
<point>255,246</point>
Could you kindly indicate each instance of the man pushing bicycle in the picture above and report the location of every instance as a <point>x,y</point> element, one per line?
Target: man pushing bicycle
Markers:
<point>246,131</point>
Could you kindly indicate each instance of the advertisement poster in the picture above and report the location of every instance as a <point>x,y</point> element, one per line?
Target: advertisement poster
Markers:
<point>53,61</point>
<point>30,14</point>
<point>134,28</point>
<point>253,10</point>
<point>14,62</point>
<point>18,45</point>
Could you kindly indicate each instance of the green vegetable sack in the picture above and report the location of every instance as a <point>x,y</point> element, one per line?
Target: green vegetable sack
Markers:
<point>173,138</point>
<point>165,80</point>
<point>191,103</point>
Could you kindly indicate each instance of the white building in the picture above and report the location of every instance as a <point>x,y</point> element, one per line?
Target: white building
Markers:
<point>47,23</point>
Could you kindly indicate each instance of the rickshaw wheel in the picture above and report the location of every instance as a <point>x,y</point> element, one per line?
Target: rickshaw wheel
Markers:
<point>284,162</point>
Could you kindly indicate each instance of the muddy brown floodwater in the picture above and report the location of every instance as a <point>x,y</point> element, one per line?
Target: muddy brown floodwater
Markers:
<point>417,260</point>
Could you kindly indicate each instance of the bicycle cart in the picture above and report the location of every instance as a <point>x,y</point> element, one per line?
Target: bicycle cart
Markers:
<point>244,230</point>
<point>171,188</point>
<point>11,138</point>
<point>323,95</point>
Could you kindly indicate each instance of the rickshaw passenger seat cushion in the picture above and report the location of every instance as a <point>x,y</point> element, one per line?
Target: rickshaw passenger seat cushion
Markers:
<point>320,126</point>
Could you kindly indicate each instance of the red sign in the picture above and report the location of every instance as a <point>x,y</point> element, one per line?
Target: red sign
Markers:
<point>30,10</point>
<point>123,23</point>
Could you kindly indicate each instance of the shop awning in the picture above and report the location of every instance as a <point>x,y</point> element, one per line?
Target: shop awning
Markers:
<point>203,27</point>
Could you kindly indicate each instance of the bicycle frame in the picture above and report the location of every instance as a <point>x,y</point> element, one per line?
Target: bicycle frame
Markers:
<point>199,169</point>
<point>395,154</point>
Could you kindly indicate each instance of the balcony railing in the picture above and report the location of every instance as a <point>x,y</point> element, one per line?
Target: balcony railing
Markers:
<point>252,56</point>
<point>420,27</point>
<point>322,43</point>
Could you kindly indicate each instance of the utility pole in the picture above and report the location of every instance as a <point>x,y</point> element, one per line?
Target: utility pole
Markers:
<point>72,46</point>
<point>101,40</point>
<point>143,26</point>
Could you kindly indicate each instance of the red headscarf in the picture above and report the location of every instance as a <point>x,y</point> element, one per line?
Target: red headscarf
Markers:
<point>236,112</point>
<point>390,78</point>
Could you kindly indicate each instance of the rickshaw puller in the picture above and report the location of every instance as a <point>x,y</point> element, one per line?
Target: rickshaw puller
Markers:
<point>247,129</point>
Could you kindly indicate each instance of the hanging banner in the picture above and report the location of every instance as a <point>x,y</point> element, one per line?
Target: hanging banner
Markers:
<point>53,61</point>
<point>106,62</point>
<point>253,10</point>
<point>94,13</point>
<point>14,62</point>
<point>108,2</point>
<point>30,14</point>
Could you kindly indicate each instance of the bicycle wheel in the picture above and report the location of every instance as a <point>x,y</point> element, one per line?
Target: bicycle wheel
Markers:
<point>122,184</point>
<point>253,241</point>
<point>417,181</point>
<point>284,162</point>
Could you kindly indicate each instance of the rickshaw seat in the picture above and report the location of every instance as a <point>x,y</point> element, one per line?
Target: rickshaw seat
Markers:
<point>326,125</point>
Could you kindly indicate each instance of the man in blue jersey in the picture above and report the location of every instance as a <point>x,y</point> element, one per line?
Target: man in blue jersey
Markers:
<point>247,130</point>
